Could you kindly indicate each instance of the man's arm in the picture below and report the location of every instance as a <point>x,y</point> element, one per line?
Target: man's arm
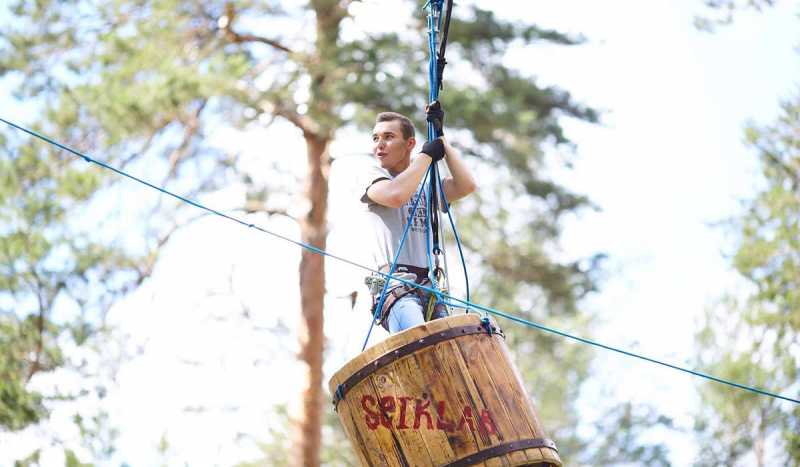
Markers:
<point>395,193</point>
<point>461,183</point>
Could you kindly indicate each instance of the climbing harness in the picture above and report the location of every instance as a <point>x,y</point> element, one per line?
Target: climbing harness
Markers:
<point>376,283</point>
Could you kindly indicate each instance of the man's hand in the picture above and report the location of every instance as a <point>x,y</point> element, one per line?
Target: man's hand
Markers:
<point>435,115</point>
<point>434,149</point>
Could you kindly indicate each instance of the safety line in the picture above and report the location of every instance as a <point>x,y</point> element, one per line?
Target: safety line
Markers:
<point>412,284</point>
<point>457,238</point>
<point>435,71</point>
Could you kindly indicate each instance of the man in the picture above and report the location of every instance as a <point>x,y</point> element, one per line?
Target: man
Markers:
<point>391,192</point>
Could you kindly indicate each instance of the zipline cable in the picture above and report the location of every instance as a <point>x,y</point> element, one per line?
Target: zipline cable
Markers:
<point>412,284</point>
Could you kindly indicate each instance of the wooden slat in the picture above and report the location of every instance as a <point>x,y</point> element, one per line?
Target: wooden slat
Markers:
<point>422,384</point>
<point>396,381</point>
<point>376,448</point>
<point>459,390</point>
<point>551,456</point>
<point>442,389</point>
<point>522,402</point>
<point>514,396</point>
<point>356,437</point>
<point>491,392</point>
<point>467,393</point>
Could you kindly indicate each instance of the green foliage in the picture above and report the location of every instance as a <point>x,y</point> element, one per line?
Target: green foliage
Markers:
<point>721,12</point>
<point>619,437</point>
<point>276,450</point>
<point>19,339</point>
<point>73,461</point>
<point>30,460</point>
<point>754,339</point>
<point>45,259</point>
<point>98,435</point>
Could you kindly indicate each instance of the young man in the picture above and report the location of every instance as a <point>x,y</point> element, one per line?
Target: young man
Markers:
<point>391,191</point>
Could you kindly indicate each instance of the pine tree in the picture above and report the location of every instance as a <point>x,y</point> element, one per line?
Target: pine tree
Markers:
<point>753,338</point>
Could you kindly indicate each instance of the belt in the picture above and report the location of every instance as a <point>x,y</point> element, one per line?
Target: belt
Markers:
<point>420,272</point>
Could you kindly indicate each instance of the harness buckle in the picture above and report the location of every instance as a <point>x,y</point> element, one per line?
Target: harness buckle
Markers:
<point>375,283</point>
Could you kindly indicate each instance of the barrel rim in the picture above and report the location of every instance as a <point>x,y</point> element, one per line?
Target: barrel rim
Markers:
<point>404,351</point>
<point>396,341</point>
<point>506,448</point>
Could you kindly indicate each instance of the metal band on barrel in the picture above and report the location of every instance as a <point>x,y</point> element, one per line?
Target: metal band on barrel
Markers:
<point>401,352</point>
<point>506,448</point>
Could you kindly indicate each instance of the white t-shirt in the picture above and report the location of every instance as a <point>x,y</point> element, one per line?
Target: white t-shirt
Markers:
<point>387,224</point>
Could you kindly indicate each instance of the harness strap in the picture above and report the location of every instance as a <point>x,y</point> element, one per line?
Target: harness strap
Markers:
<point>440,60</point>
<point>396,293</point>
<point>419,271</point>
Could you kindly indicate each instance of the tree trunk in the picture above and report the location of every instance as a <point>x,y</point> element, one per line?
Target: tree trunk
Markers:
<point>318,126</point>
<point>313,228</point>
<point>761,438</point>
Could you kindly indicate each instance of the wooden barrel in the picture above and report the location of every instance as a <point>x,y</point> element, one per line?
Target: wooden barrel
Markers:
<point>440,394</point>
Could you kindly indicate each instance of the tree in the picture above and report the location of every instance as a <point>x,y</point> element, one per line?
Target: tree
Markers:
<point>142,83</point>
<point>49,259</point>
<point>754,338</point>
<point>721,12</point>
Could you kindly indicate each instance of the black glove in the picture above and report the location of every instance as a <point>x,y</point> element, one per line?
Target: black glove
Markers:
<point>434,149</point>
<point>435,115</point>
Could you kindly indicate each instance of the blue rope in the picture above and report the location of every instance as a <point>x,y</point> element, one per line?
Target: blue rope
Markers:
<point>433,26</point>
<point>433,93</point>
<point>428,226</point>
<point>458,239</point>
<point>431,271</point>
<point>412,284</point>
<point>431,6</point>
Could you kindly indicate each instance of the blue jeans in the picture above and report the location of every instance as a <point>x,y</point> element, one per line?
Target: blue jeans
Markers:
<point>406,313</point>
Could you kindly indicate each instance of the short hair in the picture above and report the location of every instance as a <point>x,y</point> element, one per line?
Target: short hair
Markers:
<point>405,123</point>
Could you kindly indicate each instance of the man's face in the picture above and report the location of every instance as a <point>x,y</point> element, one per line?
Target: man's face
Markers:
<point>390,148</point>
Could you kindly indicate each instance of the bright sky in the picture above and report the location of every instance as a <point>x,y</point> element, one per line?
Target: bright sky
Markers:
<point>666,164</point>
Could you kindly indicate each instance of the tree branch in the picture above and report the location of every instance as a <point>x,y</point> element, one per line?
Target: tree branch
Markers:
<point>192,126</point>
<point>237,38</point>
<point>35,365</point>
<point>155,131</point>
<point>44,305</point>
<point>147,269</point>
<point>783,167</point>
<point>256,206</point>
<point>307,125</point>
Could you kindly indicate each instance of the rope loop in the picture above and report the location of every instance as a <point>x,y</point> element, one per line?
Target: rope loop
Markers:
<point>337,397</point>
<point>487,325</point>
<point>490,328</point>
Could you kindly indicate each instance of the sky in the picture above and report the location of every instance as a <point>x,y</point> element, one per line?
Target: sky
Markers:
<point>666,165</point>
